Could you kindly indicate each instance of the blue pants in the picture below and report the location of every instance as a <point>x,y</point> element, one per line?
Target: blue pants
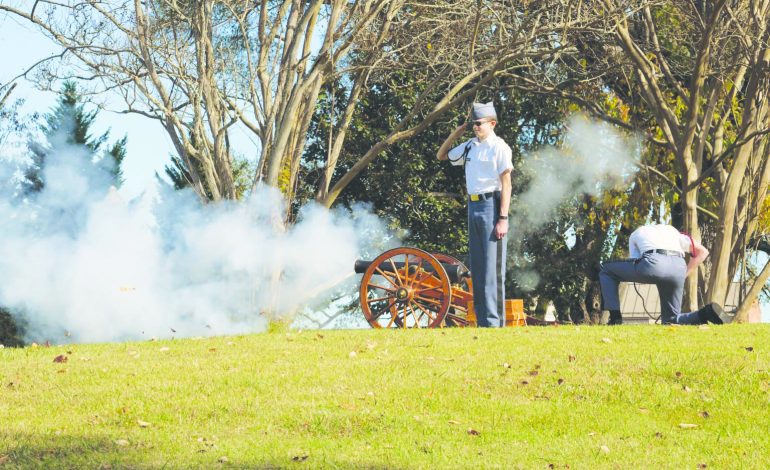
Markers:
<point>666,272</point>
<point>487,262</point>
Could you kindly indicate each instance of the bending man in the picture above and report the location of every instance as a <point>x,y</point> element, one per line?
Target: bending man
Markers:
<point>657,256</point>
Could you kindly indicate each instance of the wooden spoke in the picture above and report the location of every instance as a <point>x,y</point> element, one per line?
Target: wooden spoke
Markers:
<point>427,290</point>
<point>395,270</point>
<point>416,320</point>
<point>426,312</point>
<point>387,289</point>
<point>426,299</point>
<point>382,310</point>
<point>386,277</point>
<point>379,299</point>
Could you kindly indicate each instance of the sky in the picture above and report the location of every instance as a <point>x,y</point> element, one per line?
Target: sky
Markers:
<point>148,144</point>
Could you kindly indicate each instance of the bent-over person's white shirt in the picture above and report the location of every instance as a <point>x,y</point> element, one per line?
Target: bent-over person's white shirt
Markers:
<point>658,237</point>
<point>486,161</point>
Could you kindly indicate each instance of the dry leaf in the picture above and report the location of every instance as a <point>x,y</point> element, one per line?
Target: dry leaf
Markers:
<point>164,349</point>
<point>686,389</point>
<point>473,432</point>
<point>605,449</point>
<point>571,358</point>
<point>524,382</point>
<point>451,421</point>
<point>560,381</point>
<point>749,349</point>
<point>121,442</point>
<point>606,340</point>
<point>143,424</point>
<point>352,354</point>
<point>60,358</point>
<point>678,374</point>
<point>687,426</point>
<point>704,414</point>
<point>223,459</point>
<point>644,410</point>
<point>506,365</point>
<point>533,373</point>
<point>299,458</point>
<point>4,459</point>
<point>659,435</point>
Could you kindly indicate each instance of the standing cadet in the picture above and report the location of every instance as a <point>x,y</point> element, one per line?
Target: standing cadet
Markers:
<point>657,256</point>
<point>488,163</point>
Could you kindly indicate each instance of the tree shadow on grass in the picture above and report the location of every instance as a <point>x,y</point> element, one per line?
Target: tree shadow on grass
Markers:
<point>80,451</point>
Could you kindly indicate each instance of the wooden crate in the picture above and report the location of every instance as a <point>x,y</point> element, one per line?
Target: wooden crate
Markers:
<point>514,313</point>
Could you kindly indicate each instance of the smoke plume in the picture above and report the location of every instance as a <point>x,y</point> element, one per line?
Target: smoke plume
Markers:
<point>593,157</point>
<point>79,262</point>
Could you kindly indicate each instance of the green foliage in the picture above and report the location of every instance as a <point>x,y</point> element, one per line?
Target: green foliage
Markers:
<point>660,397</point>
<point>11,329</point>
<point>69,123</point>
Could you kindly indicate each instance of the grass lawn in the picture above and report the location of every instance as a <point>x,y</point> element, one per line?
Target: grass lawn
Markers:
<point>552,397</point>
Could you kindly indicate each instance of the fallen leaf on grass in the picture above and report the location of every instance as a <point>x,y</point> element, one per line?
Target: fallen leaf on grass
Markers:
<point>704,414</point>
<point>164,349</point>
<point>4,459</point>
<point>644,410</point>
<point>473,432</point>
<point>506,365</point>
<point>533,373</point>
<point>299,458</point>
<point>571,358</point>
<point>659,435</point>
<point>678,374</point>
<point>122,442</point>
<point>352,354</point>
<point>749,349</point>
<point>687,426</point>
<point>605,449</point>
<point>143,424</point>
<point>223,459</point>
<point>524,382</point>
<point>61,358</point>
<point>560,381</point>
<point>606,340</point>
<point>452,421</point>
<point>686,389</point>
<point>702,465</point>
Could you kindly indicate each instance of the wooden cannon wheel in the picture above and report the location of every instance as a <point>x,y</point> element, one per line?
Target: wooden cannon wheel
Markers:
<point>457,314</point>
<point>405,288</point>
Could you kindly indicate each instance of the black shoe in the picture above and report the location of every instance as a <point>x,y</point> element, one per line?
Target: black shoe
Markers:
<point>711,314</point>
<point>616,318</point>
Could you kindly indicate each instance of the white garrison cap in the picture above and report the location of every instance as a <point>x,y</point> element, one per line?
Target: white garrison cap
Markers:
<point>484,110</point>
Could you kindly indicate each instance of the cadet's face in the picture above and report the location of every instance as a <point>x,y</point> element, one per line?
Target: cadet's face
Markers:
<point>483,128</point>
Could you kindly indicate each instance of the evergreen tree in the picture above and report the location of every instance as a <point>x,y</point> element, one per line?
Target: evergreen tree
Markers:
<point>69,123</point>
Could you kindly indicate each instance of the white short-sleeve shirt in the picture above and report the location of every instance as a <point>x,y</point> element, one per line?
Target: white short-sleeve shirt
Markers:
<point>485,162</point>
<point>658,237</point>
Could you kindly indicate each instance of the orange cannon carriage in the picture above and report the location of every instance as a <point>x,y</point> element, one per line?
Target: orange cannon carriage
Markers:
<point>411,288</point>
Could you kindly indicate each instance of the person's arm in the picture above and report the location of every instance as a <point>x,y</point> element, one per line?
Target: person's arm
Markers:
<point>501,228</point>
<point>698,255</point>
<point>443,151</point>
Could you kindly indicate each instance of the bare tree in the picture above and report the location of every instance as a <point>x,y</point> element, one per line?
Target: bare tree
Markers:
<point>696,76</point>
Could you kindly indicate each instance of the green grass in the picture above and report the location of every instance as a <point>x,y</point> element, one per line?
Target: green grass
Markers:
<point>583,397</point>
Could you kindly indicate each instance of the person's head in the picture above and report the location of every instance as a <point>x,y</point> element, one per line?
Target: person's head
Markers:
<point>484,119</point>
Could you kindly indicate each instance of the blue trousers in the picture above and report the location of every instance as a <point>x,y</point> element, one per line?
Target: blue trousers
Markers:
<point>487,263</point>
<point>666,272</point>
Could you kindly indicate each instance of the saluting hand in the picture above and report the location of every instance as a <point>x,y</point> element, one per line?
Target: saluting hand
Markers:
<point>501,228</point>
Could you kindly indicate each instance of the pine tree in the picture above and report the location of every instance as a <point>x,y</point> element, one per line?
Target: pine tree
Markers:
<point>70,123</point>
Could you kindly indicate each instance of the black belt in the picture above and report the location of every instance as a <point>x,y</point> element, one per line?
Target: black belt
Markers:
<point>665,252</point>
<point>482,197</point>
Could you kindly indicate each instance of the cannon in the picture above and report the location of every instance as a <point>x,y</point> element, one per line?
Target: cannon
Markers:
<point>411,288</point>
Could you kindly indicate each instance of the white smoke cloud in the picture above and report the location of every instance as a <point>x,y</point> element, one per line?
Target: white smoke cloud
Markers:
<point>80,263</point>
<point>593,157</point>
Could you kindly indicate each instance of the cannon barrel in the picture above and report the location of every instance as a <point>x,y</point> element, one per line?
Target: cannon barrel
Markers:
<point>454,272</point>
